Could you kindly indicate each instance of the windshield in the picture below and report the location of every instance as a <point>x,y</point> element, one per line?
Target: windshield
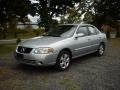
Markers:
<point>61,31</point>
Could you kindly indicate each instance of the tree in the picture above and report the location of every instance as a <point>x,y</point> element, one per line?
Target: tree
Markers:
<point>88,17</point>
<point>47,9</point>
<point>12,11</point>
<point>82,9</point>
<point>106,10</point>
<point>73,16</point>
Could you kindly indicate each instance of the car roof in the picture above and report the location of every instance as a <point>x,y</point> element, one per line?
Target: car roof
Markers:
<point>81,24</point>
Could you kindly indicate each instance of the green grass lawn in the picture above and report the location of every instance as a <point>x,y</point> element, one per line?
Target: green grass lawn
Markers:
<point>7,48</point>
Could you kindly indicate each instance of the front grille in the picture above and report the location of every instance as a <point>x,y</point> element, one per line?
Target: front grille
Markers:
<point>24,49</point>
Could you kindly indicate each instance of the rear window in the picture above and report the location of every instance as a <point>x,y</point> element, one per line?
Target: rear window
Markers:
<point>92,31</point>
<point>82,29</point>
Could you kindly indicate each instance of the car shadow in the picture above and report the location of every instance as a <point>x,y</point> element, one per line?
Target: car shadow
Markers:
<point>35,69</point>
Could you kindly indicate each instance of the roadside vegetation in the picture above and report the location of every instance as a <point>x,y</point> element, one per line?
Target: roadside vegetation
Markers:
<point>96,12</point>
<point>22,34</point>
<point>114,41</point>
<point>7,48</point>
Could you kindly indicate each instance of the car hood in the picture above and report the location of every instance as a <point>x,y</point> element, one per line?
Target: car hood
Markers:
<point>42,41</point>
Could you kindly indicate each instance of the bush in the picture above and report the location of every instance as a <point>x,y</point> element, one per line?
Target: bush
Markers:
<point>22,31</point>
<point>118,34</point>
<point>38,32</point>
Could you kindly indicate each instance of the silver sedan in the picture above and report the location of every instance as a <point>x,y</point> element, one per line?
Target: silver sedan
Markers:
<point>60,45</point>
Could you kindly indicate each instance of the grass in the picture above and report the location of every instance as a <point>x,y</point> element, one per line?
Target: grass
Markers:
<point>7,48</point>
<point>115,41</point>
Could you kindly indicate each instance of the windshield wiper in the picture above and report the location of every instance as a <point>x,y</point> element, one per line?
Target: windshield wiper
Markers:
<point>56,35</point>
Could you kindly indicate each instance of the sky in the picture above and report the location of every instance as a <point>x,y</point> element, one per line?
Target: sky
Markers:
<point>33,19</point>
<point>34,1</point>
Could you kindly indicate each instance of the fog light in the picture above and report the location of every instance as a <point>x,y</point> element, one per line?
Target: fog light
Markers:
<point>39,63</point>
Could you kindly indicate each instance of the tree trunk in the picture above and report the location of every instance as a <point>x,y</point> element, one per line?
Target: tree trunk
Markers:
<point>108,34</point>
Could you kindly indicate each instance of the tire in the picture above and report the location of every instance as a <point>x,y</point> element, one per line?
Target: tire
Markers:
<point>63,60</point>
<point>100,50</point>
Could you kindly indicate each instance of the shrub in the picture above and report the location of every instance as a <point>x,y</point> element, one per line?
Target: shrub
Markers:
<point>118,34</point>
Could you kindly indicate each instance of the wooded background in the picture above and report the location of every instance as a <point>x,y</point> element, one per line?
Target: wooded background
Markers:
<point>101,13</point>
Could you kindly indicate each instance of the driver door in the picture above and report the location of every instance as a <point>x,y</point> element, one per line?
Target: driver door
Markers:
<point>82,43</point>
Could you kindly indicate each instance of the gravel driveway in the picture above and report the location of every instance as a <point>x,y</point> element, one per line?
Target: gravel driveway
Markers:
<point>86,73</point>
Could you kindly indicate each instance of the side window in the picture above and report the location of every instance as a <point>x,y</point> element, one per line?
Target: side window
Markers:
<point>92,31</point>
<point>82,30</point>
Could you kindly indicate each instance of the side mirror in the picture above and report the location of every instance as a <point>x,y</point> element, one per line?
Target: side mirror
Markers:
<point>79,35</point>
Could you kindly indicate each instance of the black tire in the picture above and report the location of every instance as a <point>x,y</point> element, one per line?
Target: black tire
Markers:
<point>100,50</point>
<point>63,60</point>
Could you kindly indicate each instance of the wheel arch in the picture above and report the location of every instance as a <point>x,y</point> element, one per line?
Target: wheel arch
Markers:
<point>67,49</point>
<point>103,43</point>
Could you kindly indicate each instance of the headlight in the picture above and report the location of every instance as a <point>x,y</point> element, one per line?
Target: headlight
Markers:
<point>44,50</point>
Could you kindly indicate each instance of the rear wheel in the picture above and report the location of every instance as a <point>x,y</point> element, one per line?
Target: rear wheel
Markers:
<point>100,50</point>
<point>63,60</point>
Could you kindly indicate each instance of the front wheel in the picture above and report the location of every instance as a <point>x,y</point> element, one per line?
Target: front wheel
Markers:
<point>63,60</point>
<point>100,50</point>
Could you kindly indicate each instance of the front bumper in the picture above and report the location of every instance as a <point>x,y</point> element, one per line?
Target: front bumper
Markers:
<point>36,59</point>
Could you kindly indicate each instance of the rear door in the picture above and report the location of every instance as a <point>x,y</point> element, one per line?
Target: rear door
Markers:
<point>94,38</point>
